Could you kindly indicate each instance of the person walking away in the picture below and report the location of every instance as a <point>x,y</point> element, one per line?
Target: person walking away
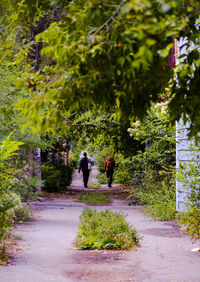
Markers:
<point>83,165</point>
<point>109,168</point>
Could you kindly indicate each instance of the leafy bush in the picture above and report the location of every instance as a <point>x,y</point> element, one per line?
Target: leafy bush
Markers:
<point>122,173</point>
<point>8,199</point>
<point>163,206</point>
<point>158,157</point>
<point>159,199</point>
<point>73,158</point>
<point>126,170</point>
<point>105,230</point>
<point>189,175</point>
<point>191,220</point>
<point>138,197</point>
<point>22,212</point>
<point>57,177</point>
<point>25,186</point>
<point>94,198</point>
<point>158,136</point>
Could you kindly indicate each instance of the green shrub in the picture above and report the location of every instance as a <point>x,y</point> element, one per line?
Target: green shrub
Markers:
<point>159,200</point>
<point>191,220</point>
<point>56,176</point>
<point>74,158</point>
<point>189,175</point>
<point>94,198</point>
<point>22,212</point>
<point>163,208</point>
<point>105,230</point>
<point>122,177</point>
<point>139,197</point>
<point>8,199</point>
<point>25,186</point>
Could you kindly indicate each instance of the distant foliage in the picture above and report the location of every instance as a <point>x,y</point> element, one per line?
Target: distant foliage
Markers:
<point>56,176</point>
<point>105,230</point>
<point>123,170</point>
<point>73,158</point>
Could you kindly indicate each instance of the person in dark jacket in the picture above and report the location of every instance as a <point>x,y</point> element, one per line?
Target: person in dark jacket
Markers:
<point>109,169</point>
<point>83,165</point>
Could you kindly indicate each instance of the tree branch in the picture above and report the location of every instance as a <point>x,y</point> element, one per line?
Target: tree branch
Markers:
<point>94,123</point>
<point>110,19</point>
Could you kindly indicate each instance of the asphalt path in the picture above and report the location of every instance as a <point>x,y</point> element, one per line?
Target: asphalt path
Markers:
<point>47,252</point>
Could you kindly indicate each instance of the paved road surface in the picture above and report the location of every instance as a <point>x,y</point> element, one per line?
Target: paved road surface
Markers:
<point>46,252</point>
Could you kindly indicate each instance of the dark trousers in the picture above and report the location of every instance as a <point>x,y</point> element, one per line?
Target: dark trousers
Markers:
<point>85,177</point>
<point>109,175</point>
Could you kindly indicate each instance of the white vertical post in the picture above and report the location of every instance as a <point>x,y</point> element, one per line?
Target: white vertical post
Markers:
<point>184,155</point>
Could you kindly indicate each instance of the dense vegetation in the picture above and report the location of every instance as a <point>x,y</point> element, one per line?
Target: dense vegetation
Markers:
<point>189,176</point>
<point>151,168</point>
<point>105,230</point>
<point>90,74</point>
<point>56,176</point>
<point>110,55</point>
<point>10,205</point>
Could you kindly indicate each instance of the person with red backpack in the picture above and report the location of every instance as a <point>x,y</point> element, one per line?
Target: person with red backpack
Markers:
<point>109,169</point>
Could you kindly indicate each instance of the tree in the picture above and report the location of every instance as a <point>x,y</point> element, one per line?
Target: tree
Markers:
<point>96,131</point>
<point>158,136</point>
<point>112,54</point>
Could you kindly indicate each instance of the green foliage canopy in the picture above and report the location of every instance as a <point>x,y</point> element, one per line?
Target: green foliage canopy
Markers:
<point>113,54</point>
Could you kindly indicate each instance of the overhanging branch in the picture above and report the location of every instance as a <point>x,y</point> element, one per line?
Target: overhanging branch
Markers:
<point>106,24</point>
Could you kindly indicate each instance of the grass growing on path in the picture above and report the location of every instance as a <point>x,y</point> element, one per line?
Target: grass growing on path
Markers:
<point>95,186</point>
<point>94,198</point>
<point>102,178</point>
<point>105,230</point>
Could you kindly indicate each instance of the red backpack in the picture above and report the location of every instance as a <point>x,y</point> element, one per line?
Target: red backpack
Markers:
<point>109,165</point>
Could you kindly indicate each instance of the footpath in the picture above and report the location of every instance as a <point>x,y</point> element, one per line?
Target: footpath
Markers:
<point>77,183</point>
<point>46,251</point>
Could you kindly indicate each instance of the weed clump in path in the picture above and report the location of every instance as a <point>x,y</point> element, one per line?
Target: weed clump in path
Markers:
<point>95,198</point>
<point>105,230</point>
